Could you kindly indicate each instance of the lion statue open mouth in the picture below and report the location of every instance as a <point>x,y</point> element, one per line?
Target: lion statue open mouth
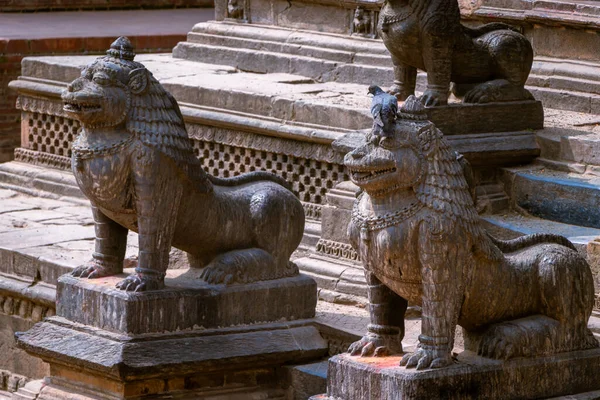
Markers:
<point>135,162</point>
<point>419,236</point>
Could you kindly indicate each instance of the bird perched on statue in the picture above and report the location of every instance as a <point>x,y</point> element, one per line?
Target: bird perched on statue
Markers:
<point>383,109</point>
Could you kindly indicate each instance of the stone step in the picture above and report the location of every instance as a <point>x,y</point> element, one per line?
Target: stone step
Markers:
<point>509,225</point>
<point>29,392</point>
<point>559,83</point>
<point>555,195</point>
<point>572,138</point>
<point>306,380</point>
<point>340,283</point>
<point>40,181</point>
<point>263,49</point>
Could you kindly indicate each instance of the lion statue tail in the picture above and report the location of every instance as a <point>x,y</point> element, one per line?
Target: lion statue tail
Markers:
<point>509,246</point>
<point>494,26</point>
<point>249,177</point>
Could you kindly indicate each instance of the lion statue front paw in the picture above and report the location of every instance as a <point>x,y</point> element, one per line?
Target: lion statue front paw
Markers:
<point>376,346</point>
<point>426,357</point>
<point>140,283</point>
<point>96,269</point>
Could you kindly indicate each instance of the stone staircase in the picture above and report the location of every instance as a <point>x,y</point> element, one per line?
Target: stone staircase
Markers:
<point>560,191</point>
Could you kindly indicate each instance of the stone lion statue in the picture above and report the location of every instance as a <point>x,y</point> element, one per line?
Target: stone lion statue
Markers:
<point>486,64</point>
<point>421,241</point>
<point>135,162</point>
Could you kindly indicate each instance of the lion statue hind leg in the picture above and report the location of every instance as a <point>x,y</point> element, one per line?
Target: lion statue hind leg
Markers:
<point>513,57</point>
<point>497,90</point>
<point>566,295</point>
<point>245,266</point>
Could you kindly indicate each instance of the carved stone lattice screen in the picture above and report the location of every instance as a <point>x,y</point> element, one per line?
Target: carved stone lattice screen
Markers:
<point>311,179</point>
<point>49,141</point>
<point>51,134</point>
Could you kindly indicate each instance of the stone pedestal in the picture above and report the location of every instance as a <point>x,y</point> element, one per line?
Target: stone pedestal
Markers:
<point>189,340</point>
<point>471,377</point>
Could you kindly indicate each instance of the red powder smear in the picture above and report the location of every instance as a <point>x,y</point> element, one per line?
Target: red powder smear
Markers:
<point>109,281</point>
<point>378,362</point>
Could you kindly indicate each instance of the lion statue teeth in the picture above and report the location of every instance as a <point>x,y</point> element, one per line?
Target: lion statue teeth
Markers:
<point>135,162</point>
<point>486,64</point>
<point>419,236</point>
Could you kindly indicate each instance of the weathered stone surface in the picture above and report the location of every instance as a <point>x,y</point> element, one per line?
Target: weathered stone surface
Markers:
<point>487,64</point>
<point>133,159</point>
<point>557,196</point>
<point>418,234</point>
<point>190,338</point>
<point>307,380</point>
<point>186,303</point>
<point>170,354</point>
<point>470,377</point>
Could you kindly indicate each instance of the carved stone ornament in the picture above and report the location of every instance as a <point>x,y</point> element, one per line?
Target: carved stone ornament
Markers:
<point>235,9</point>
<point>420,240</point>
<point>486,64</point>
<point>135,162</point>
<point>362,23</point>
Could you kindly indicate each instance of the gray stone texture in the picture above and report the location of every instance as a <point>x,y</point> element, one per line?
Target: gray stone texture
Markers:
<point>470,377</point>
<point>187,303</point>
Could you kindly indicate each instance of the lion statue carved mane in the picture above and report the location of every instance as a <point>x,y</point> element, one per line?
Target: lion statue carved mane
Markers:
<point>418,233</point>
<point>136,164</point>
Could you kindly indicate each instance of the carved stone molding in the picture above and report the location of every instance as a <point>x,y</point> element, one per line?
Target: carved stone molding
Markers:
<point>42,159</point>
<point>364,22</point>
<point>312,211</point>
<point>11,382</point>
<point>24,308</point>
<point>337,249</point>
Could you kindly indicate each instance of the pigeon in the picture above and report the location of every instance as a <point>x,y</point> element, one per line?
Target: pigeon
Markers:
<point>383,109</point>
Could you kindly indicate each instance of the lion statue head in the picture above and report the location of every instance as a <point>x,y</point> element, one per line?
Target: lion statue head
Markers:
<point>417,156</point>
<point>117,93</point>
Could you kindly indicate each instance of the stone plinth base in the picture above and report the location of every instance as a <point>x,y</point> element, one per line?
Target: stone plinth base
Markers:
<point>190,339</point>
<point>472,377</point>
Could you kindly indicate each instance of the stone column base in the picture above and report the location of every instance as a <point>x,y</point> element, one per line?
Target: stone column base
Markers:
<point>471,377</point>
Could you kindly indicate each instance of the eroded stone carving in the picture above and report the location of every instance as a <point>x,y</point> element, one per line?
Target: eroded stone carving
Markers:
<point>235,9</point>
<point>361,24</point>
<point>486,64</point>
<point>420,239</point>
<point>134,161</point>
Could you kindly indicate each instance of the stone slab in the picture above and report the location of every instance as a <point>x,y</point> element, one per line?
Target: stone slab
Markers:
<point>460,119</point>
<point>187,303</point>
<point>568,198</point>
<point>471,377</point>
<point>307,379</point>
<point>88,360</point>
<point>43,236</point>
<point>481,149</point>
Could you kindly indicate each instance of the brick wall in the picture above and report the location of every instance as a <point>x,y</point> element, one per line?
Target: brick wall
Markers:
<point>56,5</point>
<point>13,51</point>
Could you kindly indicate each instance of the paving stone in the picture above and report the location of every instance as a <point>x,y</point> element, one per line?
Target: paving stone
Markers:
<point>9,224</point>
<point>37,215</point>
<point>42,203</point>
<point>78,211</point>
<point>10,205</point>
<point>31,237</point>
<point>7,194</point>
